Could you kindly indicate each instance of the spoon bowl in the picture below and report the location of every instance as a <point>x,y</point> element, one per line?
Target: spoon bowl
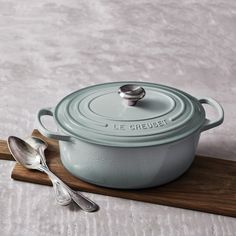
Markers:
<point>39,145</point>
<point>23,153</point>
<point>36,142</point>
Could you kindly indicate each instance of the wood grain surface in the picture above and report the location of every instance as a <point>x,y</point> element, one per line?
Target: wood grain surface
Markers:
<point>208,186</point>
<point>4,152</point>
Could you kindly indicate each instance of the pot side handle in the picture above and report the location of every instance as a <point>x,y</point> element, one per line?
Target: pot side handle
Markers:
<point>213,123</point>
<point>46,132</point>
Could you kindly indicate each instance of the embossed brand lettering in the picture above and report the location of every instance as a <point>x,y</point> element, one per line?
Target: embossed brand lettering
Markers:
<point>149,125</point>
<point>119,127</point>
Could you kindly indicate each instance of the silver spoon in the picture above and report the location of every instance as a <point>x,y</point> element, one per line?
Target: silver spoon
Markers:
<point>30,158</point>
<point>62,195</point>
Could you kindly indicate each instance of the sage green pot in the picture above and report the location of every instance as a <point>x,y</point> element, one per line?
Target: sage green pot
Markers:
<point>129,135</point>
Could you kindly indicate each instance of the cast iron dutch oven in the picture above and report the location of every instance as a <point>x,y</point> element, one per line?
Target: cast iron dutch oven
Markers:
<point>129,135</point>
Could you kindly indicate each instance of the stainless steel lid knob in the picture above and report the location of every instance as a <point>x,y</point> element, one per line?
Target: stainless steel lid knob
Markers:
<point>131,93</point>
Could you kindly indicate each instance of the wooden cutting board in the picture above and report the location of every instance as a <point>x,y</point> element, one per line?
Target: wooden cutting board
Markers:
<point>208,186</point>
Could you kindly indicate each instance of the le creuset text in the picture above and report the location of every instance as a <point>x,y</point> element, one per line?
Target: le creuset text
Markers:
<point>149,125</point>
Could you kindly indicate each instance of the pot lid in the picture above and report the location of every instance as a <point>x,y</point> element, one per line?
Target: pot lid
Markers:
<point>129,114</point>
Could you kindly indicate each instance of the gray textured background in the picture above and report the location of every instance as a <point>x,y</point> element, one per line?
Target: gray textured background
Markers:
<point>51,48</point>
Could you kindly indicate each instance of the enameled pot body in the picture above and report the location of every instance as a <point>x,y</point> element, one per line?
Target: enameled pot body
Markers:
<point>128,168</point>
<point>121,142</point>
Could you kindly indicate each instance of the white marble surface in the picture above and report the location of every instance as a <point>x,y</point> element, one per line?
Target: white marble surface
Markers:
<point>50,48</point>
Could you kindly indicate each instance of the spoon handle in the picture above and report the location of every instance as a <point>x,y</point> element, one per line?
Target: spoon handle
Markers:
<point>42,156</point>
<point>83,202</point>
<point>61,194</point>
